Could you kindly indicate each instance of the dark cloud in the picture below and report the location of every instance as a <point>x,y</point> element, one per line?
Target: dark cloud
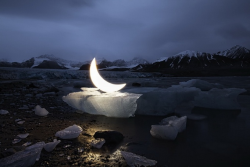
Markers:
<point>82,29</point>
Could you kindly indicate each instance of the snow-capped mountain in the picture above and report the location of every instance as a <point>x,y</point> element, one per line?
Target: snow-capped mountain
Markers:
<point>61,62</point>
<point>236,52</point>
<point>234,61</point>
<point>118,64</point>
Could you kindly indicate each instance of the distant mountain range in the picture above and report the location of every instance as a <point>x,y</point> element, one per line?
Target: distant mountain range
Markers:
<point>233,61</point>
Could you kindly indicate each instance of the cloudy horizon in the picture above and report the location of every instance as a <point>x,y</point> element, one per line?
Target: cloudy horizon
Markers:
<point>82,29</point>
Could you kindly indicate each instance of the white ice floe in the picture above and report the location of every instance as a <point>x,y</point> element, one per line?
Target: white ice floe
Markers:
<point>92,101</point>
<point>3,112</point>
<point>51,145</point>
<point>97,143</point>
<point>40,111</point>
<point>219,99</point>
<point>201,84</point>
<point>27,157</point>
<point>137,160</point>
<point>169,127</point>
<point>70,132</point>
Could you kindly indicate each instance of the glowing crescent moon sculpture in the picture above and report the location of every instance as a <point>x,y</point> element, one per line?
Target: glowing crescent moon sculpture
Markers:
<point>99,82</point>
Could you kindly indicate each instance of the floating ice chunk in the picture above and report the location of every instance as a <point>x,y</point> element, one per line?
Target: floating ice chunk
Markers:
<point>3,112</point>
<point>202,85</point>
<point>164,101</point>
<point>92,101</point>
<point>70,132</point>
<point>23,136</point>
<point>169,127</point>
<point>167,132</point>
<point>219,99</point>
<point>51,145</point>
<point>166,121</point>
<point>137,160</point>
<point>27,157</point>
<point>98,143</point>
<point>40,111</point>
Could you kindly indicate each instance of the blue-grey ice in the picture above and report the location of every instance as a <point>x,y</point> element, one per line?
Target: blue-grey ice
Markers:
<point>24,158</point>
<point>219,98</point>
<point>137,160</point>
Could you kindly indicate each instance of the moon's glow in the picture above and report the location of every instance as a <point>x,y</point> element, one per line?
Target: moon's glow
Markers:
<point>99,82</point>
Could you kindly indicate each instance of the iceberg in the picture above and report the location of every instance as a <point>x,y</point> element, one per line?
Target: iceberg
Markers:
<point>137,160</point>
<point>92,101</point>
<point>70,132</point>
<point>24,158</point>
<point>164,101</point>
<point>225,99</point>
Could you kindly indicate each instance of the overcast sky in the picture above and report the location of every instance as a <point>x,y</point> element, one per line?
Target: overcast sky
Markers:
<point>120,29</point>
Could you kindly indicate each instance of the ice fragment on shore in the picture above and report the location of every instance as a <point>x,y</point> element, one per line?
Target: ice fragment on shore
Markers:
<point>23,136</point>
<point>3,112</point>
<point>27,144</point>
<point>97,143</point>
<point>40,111</point>
<point>27,157</point>
<point>51,145</point>
<point>137,160</point>
<point>70,132</point>
<point>219,99</point>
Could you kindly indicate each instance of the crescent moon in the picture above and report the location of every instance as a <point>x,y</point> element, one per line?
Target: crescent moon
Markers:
<point>99,82</point>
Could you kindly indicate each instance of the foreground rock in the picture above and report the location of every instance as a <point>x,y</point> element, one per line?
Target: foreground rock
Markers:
<point>137,160</point>
<point>24,158</point>
<point>109,136</point>
<point>70,132</point>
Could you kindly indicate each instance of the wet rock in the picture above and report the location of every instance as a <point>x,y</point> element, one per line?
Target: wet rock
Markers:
<point>109,136</point>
